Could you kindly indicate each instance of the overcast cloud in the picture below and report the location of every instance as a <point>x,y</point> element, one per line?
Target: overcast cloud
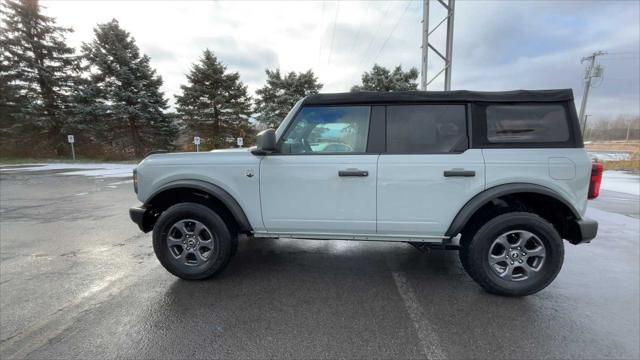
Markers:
<point>499,45</point>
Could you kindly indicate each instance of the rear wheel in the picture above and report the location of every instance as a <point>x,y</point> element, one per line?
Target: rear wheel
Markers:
<point>463,253</point>
<point>514,254</point>
<point>235,240</point>
<point>192,242</point>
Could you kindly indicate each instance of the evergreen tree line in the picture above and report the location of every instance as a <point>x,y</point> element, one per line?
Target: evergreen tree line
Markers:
<point>109,96</point>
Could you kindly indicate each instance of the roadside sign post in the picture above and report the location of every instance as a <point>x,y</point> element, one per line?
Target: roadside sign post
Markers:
<point>240,141</point>
<point>71,140</point>
<point>196,140</point>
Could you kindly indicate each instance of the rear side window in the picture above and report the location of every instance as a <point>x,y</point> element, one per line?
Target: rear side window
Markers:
<point>530,123</point>
<point>426,129</point>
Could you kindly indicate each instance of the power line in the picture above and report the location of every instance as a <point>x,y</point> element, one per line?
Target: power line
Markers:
<point>393,30</point>
<point>355,41</point>
<point>623,53</point>
<point>623,58</point>
<point>375,34</point>
<point>321,34</point>
<point>333,35</point>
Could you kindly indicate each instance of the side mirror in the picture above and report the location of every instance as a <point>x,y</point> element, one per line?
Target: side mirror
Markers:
<point>265,142</point>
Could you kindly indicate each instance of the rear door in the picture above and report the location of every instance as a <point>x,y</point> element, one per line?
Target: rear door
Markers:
<point>322,180</point>
<point>428,172</point>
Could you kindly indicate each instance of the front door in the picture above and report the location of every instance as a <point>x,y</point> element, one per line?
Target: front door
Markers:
<point>427,173</point>
<point>321,180</point>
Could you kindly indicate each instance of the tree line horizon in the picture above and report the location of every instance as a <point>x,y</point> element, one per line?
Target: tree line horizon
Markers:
<point>109,96</point>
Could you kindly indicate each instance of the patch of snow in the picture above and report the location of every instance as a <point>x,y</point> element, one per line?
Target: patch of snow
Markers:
<point>122,182</point>
<point>97,170</point>
<point>609,155</point>
<point>621,181</point>
<point>105,173</point>
<point>19,166</point>
<point>82,193</point>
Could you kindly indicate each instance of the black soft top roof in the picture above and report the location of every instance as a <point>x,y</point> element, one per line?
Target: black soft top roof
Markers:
<point>426,96</point>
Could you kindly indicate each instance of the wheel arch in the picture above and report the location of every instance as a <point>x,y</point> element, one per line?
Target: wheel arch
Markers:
<point>202,192</point>
<point>534,198</point>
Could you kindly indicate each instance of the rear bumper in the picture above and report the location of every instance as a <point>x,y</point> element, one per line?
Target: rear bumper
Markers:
<point>588,229</point>
<point>142,217</point>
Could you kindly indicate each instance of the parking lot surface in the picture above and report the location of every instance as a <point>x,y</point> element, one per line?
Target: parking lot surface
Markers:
<point>79,280</point>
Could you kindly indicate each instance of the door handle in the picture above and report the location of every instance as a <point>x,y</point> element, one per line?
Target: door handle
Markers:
<point>360,173</point>
<point>459,173</point>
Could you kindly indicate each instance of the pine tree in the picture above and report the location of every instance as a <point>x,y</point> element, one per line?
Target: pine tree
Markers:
<point>215,104</point>
<point>37,75</point>
<point>12,123</point>
<point>122,97</point>
<point>280,93</point>
<point>383,79</point>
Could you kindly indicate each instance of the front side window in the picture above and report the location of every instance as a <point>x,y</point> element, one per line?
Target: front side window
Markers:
<point>535,123</point>
<point>426,129</point>
<point>328,129</point>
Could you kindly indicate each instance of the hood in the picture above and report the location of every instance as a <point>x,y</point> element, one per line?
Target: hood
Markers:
<point>229,150</point>
<point>238,155</point>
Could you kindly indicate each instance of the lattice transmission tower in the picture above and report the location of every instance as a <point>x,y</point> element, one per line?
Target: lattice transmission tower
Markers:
<point>427,32</point>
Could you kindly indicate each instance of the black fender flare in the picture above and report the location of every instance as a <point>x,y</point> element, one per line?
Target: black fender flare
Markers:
<point>213,190</point>
<point>495,192</point>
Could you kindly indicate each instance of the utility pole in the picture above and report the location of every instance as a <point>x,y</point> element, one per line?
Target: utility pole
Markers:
<point>425,44</point>
<point>592,71</point>
<point>449,6</point>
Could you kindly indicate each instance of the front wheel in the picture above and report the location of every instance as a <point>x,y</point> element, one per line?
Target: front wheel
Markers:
<point>514,254</point>
<point>191,241</point>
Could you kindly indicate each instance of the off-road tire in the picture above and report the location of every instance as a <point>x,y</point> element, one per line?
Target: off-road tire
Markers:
<point>474,254</point>
<point>222,245</point>
<point>235,240</point>
<point>463,252</point>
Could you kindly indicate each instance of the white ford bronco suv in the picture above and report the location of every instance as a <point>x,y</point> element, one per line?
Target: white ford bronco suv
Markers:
<point>503,177</point>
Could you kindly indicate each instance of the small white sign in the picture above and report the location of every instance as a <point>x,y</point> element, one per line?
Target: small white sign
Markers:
<point>70,139</point>
<point>230,139</point>
<point>196,140</point>
<point>240,142</point>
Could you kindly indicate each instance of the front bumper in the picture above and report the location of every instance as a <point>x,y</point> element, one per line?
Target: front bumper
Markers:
<point>588,229</point>
<point>142,217</point>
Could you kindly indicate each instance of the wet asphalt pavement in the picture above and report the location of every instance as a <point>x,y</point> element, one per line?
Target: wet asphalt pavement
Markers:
<point>79,280</point>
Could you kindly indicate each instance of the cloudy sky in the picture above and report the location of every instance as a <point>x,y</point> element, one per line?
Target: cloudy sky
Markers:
<point>498,45</point>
